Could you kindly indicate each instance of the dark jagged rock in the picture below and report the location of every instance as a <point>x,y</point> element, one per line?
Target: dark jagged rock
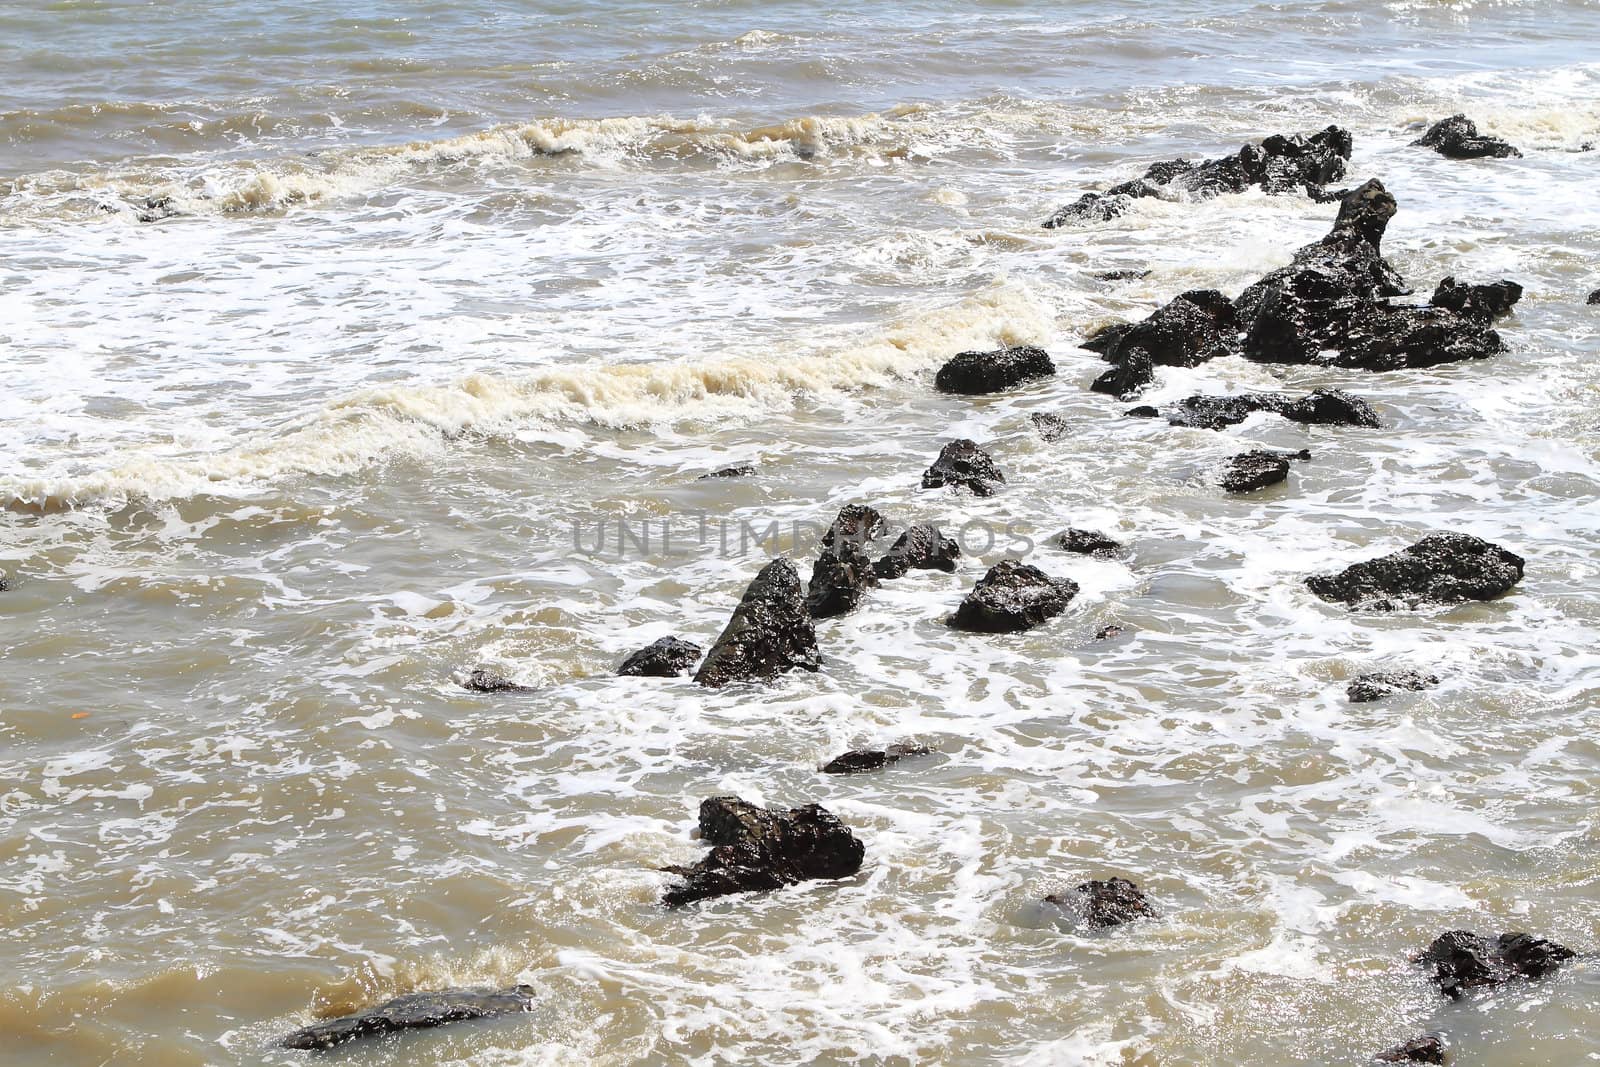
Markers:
<point>770,632</point>
<point>5,583</point>
<point>860,523</point>
<point>1193,328</point>
<point>157,208</point>
<point>871,759</point>
<point>666,658</point>
<point>1013,596</point>
<point>1051,427</point>
<point>1365,688</point>
<point>1124,275</point>
<point>744,470</point>
<point>1447,568</point>
<point>414,1011</point>
<point>1128,376</point>
<point>1143,411</point>
<point>973,373</point>
<point>756,849</point>
<point>1106,633</point>
<point>1105,904</point>
<point>489,680</point>
<point>839,579</point>
<point>1329,407</point>
<point>1462,960</point>
<point>1087,543</point>
<point>1278,164</point>
<point>919,548</point>
<point>1425,1048</point>
<point>1490,301</point>
<point>1594,298</point>
<point>1105,339</point>
<point>1457,137</point>
<point>963,463</point>
<point>1257,469</point>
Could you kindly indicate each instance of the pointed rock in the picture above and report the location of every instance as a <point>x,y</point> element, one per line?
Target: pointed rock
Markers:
<point>770,632</point>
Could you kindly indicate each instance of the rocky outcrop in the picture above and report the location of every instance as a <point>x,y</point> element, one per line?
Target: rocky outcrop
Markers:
<point>974,373</point>
<point>1278,164</point>
<point>1424,1048</point>
<point>1013,596</point>
<point>1050,427</point>
<point>962,463</point>
<point>1462,960</point>
<point>1447,568</point>
<point>414,1011</point>
<point>666,658</point>
<point>1104,904</point>
<point>757,849</point>
<point>1193,328</point>
<point>1257,469</point>
<point>1457,137</point>
<point>489,680</point>
<point>770,632</point>
<point>921,547</point>
<point>1365,688</point>
<point>1087,543</point>
<point>860,523</point>
<point>1490,301</point>
<point>872,759</point>
<point>839,579</point>
<point>743,470</point>
<point>1325,407</point>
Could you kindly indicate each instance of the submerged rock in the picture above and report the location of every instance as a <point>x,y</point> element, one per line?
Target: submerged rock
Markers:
<point>1193,328</point>
<point>1365,688</point>
<point>666,658</point>
<point>1126,274</point>
<point>973,373</point>
<point>1106,633</point>
<point>1257,469</point>
<point>1105,904</point>
<point>1326,407</point>
<point>758,849</point>
<point>1051,427</point>
<point>1462,960</point>
<point>1013,596</point>
<point>1457,137</point>
<point>414,1011</point>
<point>921,547</point>
<point>1278,164</point>
<point>839,579</point>
<point>963,463</point>
<point>1087,543</point>
<point>1447,568</point>
<point>744,470</point>
<point>1425,1048</point>
<point>871,759</point>
<point>770,632</point>
<point>489,680</point>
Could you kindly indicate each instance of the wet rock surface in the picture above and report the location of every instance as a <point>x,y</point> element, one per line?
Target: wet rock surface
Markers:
<point>1013,596</point>
<point>962,464</point>
<point>1594,298</point>
<point>974,373</point>
<point>666,658</point>
<point>1193,328</point>
<point>415,1011</point>
<point>1462,960</point>
<point>759,849</point>
<point>1278,164</point>
<point>1050,427</point>
<point>743,470</point>
<point>1106,633</point>
<point>1457,137</point>
<point>1424,1048</point>
<point>1126,274</point>
<point>855,522</point>
<point>840,577</point>
<point>1087,543</point>
<point>489,680</point>
<point>1256,469</point>
<point>1447,568</point>
<point>872,759</point>
<point>921,547</point>
<point>1491,300</point>
<point>770,632</point>
<point>1103,904</point>
<point>1365,688</point>
<point>1325,407</point>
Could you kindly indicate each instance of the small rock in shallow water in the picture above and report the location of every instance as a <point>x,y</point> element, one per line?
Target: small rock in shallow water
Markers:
<point>1425,1048</point>
<point>414,1011</point>
<point>1365,688</point>
<point>1051,427</point>
<point>1447,568</point>
<point>1457,137</point>
<point>1125,275</point>
<point>1256,469</point>
<point>963,463</point>
<point>839,579</point>
<point>770,632</point>
<point>1013,596</point>
<point>1325,407</point>
<point>742,471</point>
<point>1087,543</point>
<point>1105,904</point>
<point>666,658</point>
<point>1594,297</point>
<point>1463,960</point>
<point>760,849</point>
<point>489,680</point>
<point>871,759</point>
<point>974,373</point>
<point>922,547</point>
<point>1106,633</point>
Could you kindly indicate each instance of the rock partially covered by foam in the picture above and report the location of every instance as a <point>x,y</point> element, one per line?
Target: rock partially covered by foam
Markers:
<point>1194,327</point>
<point>962,464</point>
<point>489,680</point>
<point>872,759</point>
<point>1325,407</point>
<point>1013,596</point>
<point>921,547</point>
<point>1431,1047</point>
<point>1256,469</point>
<point>757,849</point>
<point>666,658</point>
<point>1278,164</point>
<point>1050,426</point>
<point>1103,904</point>
<point>1462,960</point>
<point>770,632</point>
<point>1457,137</point>
<point>1087,543</point>
<point>974,373</point>
<point>1446,568</point>
<point>1365,688</point>
<point>414,1011</point>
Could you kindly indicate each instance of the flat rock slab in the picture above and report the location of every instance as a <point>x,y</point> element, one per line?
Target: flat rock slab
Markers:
<point>1365,688</point>
<point>1448,568</point>
<point>1325,407</point>
<point>414,1011</point>
<point>975,373</point>
<point>872,759</point>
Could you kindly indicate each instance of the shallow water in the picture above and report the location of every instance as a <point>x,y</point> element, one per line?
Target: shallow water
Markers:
<point>449,288</point>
